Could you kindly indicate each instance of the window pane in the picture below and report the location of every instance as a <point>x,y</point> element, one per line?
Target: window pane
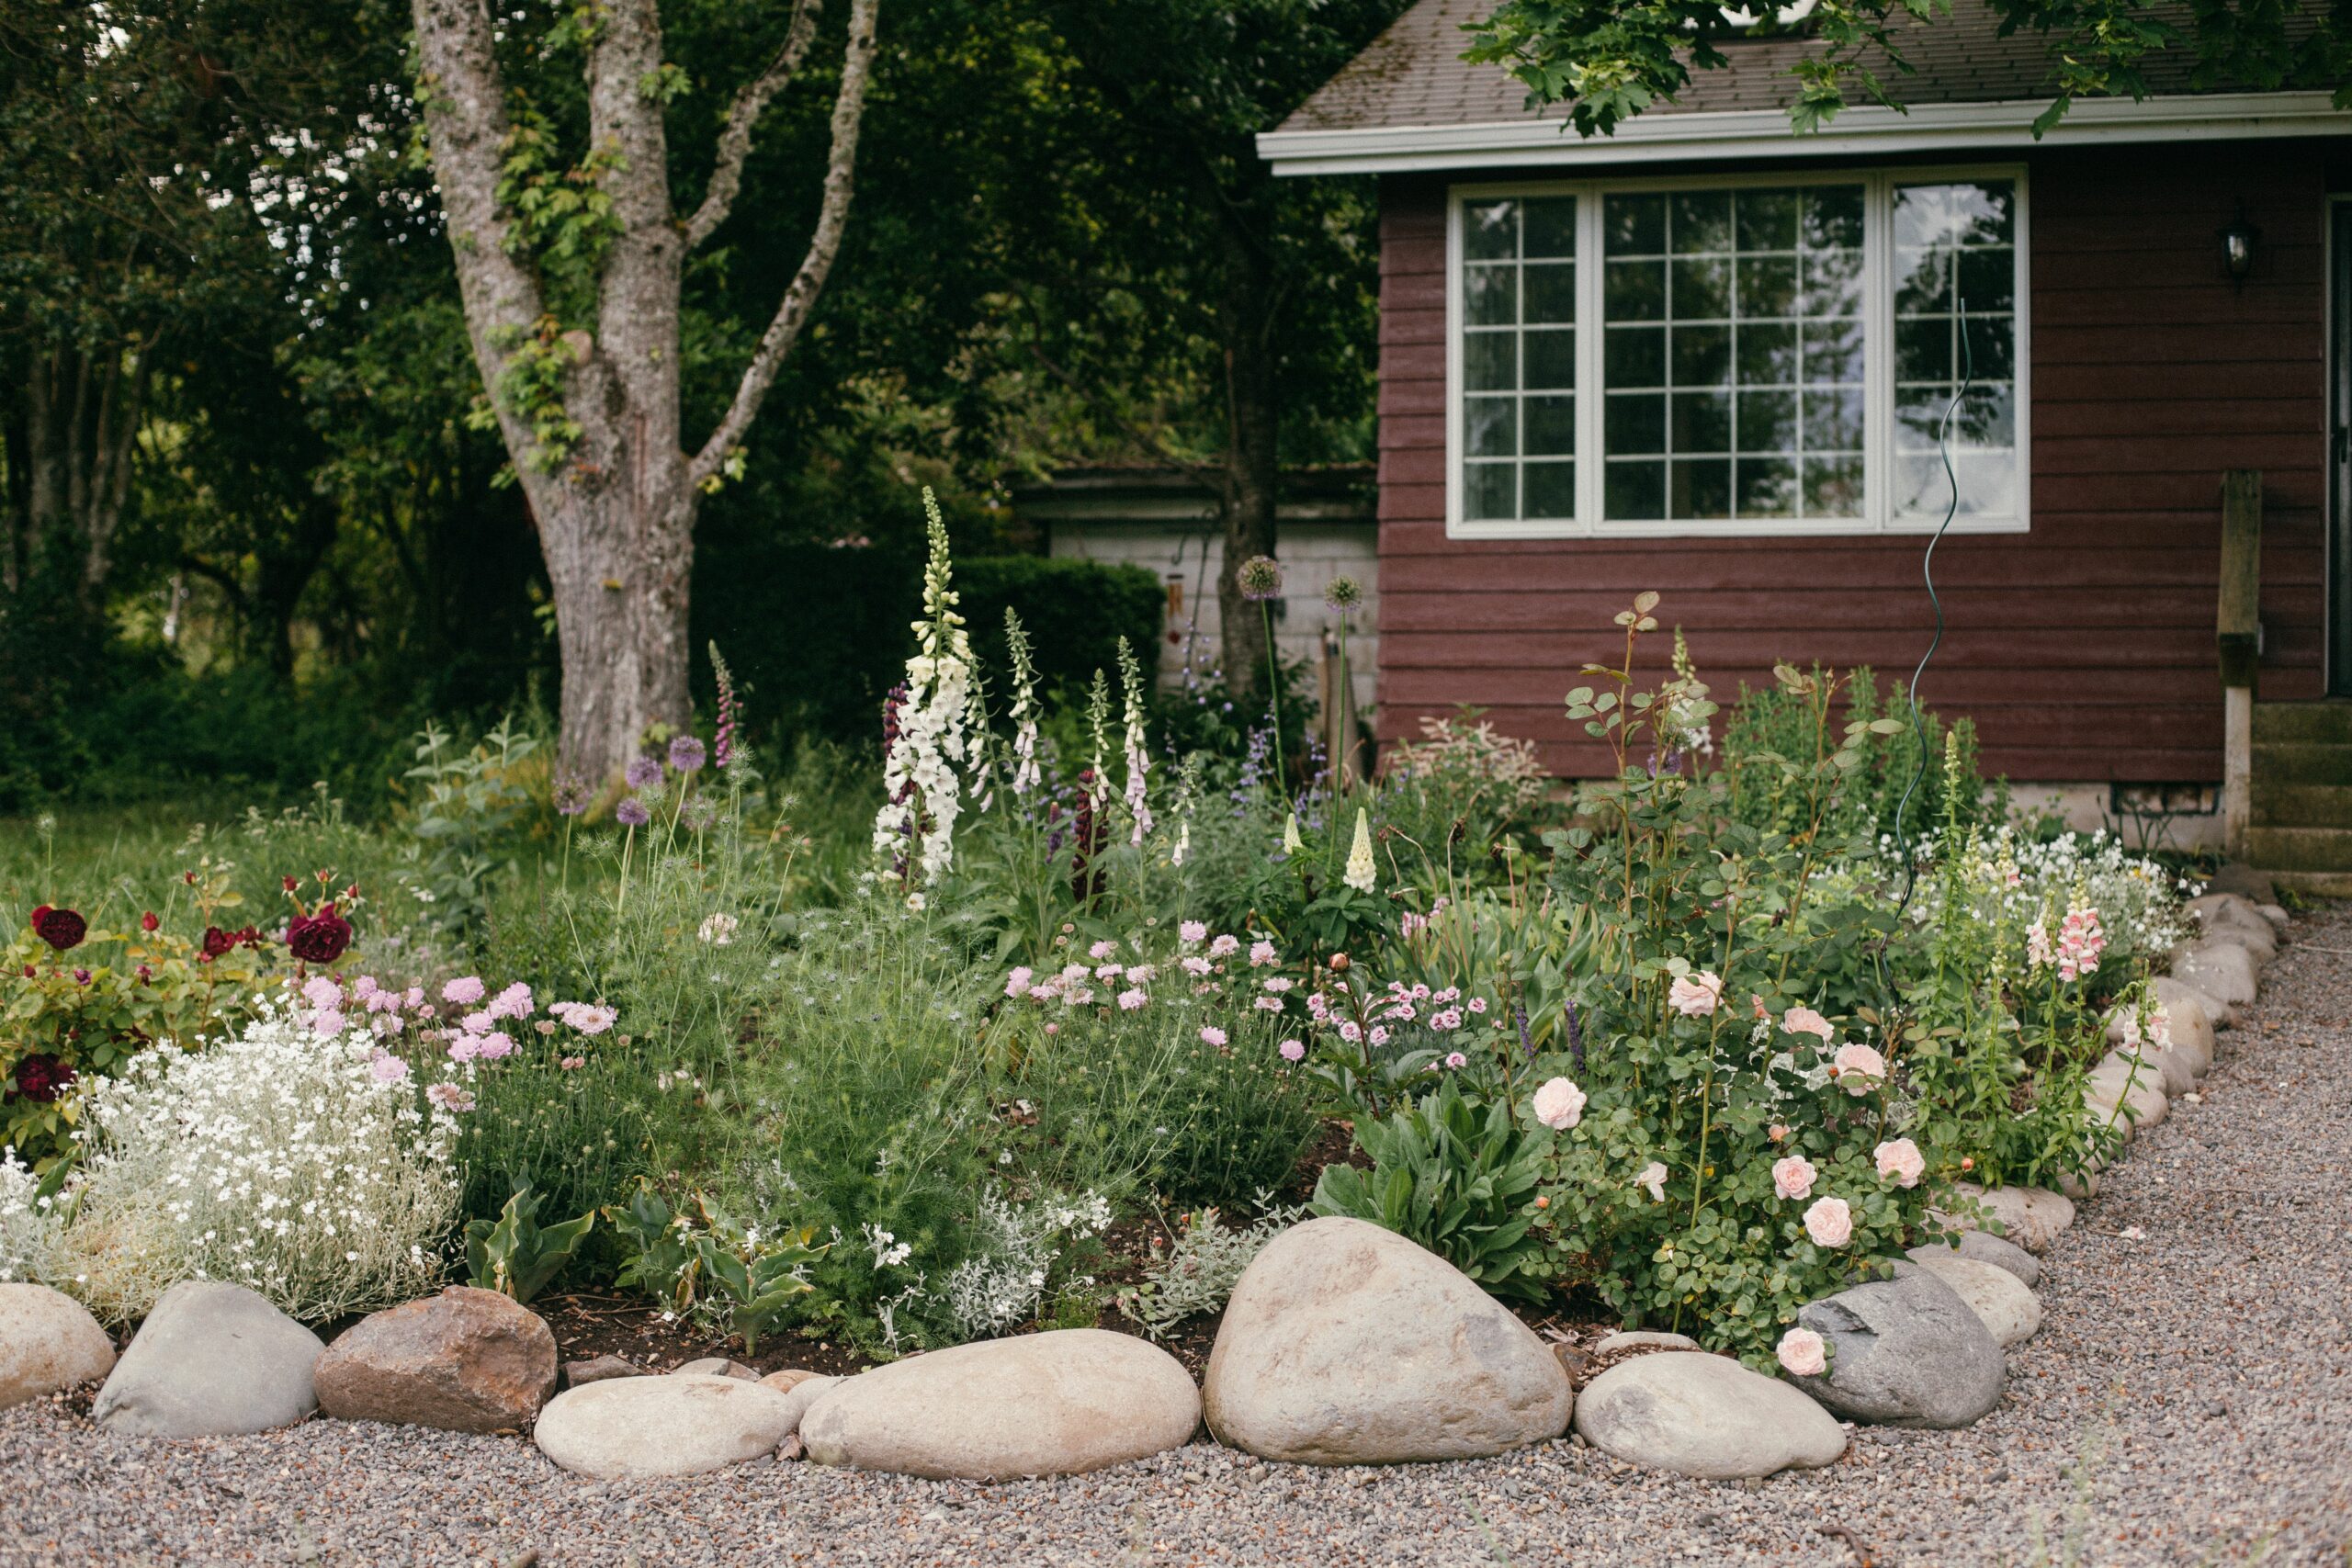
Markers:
<point>1518,292</point>
<point>1491,231</point>
<point>1551,490</point>
<point>1955,299</point>
<point>1550,227</point>
<point>1761,295</point>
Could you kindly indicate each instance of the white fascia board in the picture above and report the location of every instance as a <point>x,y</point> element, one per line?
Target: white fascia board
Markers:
<point>1764,133</point>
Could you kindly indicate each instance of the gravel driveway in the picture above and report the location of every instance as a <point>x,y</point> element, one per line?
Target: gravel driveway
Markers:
<point>2188,1400</point>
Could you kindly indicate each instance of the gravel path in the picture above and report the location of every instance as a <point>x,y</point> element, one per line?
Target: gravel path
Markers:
<point>2188,1401</point>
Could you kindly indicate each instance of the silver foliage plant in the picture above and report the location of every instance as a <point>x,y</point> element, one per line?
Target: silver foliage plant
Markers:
<point>1198,1275</point>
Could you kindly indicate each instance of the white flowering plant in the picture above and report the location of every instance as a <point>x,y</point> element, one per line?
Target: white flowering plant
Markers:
<point>929,724</point>
<point>30,1224</point>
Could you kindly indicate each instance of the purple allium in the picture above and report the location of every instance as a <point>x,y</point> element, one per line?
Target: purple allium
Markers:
<point>1260,577</point>
<point>687,755</point>
<point>571,794</point>
<point>1343,593</point>
<point>632,812</point>
<point>643,772</point>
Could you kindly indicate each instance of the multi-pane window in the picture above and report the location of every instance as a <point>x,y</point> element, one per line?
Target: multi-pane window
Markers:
<point>1955,320</point>
<point>1519,358</point>
<point>1756,357</point>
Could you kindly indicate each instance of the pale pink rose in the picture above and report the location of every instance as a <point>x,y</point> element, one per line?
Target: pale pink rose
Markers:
<point>1695,996</point>
<point>1792,1177</point>
<point>1559,1105</point>
<point>1804,1020</point>
<point>1653,1181</point>
<point>1858,1068</point>
<point>1900,1159</point>
<point>1803,1353</point>
<point>1829,1222</point>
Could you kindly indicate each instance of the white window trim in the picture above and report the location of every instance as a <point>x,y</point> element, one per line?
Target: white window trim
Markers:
<point>1878,393</point>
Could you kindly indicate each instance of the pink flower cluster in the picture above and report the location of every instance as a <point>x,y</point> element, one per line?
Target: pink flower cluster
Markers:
<point>2081,939</point>
<point>1127,985</point>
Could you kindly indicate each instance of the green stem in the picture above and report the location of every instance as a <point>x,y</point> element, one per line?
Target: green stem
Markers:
<point>1274,694</point>
<point>628,841</point>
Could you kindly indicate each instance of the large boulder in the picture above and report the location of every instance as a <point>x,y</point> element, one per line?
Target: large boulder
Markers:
<point>2173,992</point>
<point>2220,969</point>
<point>2032,1217</point>
<point>2128,1090</point>
<point>48,1341</point>
<point>213,1360</point>
<point>1056,1403</point>
<point>1347,1344</point>
<point>1904,1352</point>
<point>2229,917</point>
<point>1987,1247</point>
<point>465,1360</point>
<point>1704,1415</point>
<point>623,1428</point>
<point>2000,1301</point>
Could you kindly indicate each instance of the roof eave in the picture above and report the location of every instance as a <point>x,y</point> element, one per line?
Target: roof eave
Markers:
<point>1764,133</point>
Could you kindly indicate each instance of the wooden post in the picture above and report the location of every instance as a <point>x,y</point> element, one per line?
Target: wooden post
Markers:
<point>2238,632</point>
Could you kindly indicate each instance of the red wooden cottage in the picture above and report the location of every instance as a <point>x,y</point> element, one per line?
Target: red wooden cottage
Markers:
<point>1708,357</point>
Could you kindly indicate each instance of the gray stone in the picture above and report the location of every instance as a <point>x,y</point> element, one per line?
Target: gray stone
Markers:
<point>2237,918</point>
<point>2000,1301</point>
<point>49,1342</point>
<point>1904,1352</point>
<point>2181,1001</point>
<point>626,1428</point>
<point>1985,1247</point>
<point>1347,1344</point>
<point>2129,1085</point>
<point>718,1367</point>
<point>2032,1217</point>
<point>1705,1416</point>
<point>578,1374</point>
<point>2220,969</point>
<point>1061,1403</point>
<point>2275,914</point>
<point>1628,1339</point>
<point>213,1360</point>
<point>806,1392</point>
<point>465,1360</point>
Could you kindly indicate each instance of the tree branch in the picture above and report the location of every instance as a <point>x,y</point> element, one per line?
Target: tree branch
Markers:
<point>849,108</point>
<point>464,100</point>
<point>735,141</point>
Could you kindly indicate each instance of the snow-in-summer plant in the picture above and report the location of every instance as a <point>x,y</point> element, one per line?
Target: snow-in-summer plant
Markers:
<point>1002,1280</point>
<point>304,1166</point>
<point>30,1225</point>
<point>2013,879</point>
<point>1197,1274</point>
<point>915,828</point>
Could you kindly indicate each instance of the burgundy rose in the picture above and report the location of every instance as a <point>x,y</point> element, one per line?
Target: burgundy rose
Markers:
<point>216,943</point>
<point>320,938</point>
<point>62,929</point>
<point>41,1077</point>
<point>148,922</point>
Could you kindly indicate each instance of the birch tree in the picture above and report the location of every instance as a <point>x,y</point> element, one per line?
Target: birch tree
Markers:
<point>586,397</point>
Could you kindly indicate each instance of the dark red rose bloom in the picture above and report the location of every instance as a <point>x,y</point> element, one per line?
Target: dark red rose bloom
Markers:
<point>291,885</point>
<point>41,1077</point>
<point>62,929</point>
<point>148,922</point>
<point>216,942</point>
<point>320,938</point>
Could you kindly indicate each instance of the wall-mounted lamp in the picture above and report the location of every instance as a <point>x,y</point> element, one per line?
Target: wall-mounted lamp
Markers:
<point>2238,242</point>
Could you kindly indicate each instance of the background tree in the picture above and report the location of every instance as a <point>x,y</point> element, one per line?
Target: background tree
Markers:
<point>1609,60</point>
<point>572,273</point>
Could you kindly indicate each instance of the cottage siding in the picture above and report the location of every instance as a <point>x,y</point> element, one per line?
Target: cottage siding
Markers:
<point>2085,648</point>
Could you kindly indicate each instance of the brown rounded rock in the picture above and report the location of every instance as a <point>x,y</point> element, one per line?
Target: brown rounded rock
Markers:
<point>465,1360</point>
<point>786,1380</point>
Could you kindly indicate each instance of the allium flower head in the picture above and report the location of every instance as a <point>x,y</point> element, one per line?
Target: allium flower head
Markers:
<point>633,813</point>
<point>1343,593</point>
<point>643,772</point>
<point>687,755</point>
<point>1260,577</point>
<point>571,794</point>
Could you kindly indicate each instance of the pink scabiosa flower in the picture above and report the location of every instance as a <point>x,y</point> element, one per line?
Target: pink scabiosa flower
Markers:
<point>449,1097</point>
<point>1102,950</point>
<point>1129,1000</point>
<point>1017,983</point>
<point>572,1064</point>
<point>1829,1222</point>
<point>387,1069</point>
<point>322,991</point>
<point>1212,1035</point>
<point>1262,953</point>
<point>515,1001</point>
<point>585,1018</point>
<point>1197,966</point>
<point>1858,1068</point>
<point>1292,1050</point>
<point>490,1047</point>
<point>1802,1353</point>
<point>1695,996</point>
<point>1792,1177</point>
<point>478,1022</point>
<point>1804,1020</point>
<point>1558,1104</point>
<point>465,991</point>
<point>1900,1159</point>
<point>1193,930</point>
<point>1224,947</point>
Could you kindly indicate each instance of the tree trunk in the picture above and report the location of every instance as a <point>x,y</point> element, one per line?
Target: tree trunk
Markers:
<point>1253,469</point>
